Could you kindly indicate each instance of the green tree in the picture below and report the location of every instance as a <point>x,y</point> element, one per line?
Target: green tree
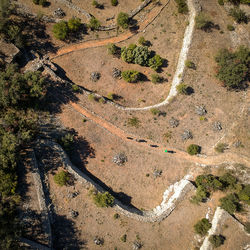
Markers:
<point>60,30</point>
<point>61,178</point>
<point>155,62</point>
<point>203,22</point>
<point>182,88</point>
<point>123,20</point>
<point>230,203</point>
<point>182,6</point>
<point>216,240</point>
<point>114,2</point>
<point>155,78</point>
<point>238,15</point>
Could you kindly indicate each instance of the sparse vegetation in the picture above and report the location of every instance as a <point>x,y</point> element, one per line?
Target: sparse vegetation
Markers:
<point>230,27</point>
<point>182,88</point>
<point>60,30</point>
<point>182,6</point>
<point>133,122</point>
<point>190,64</point>
<point>230,203</point>
<point>94,23</point>
<point>113,49</point>
<point>238,15</point>
<point>202,226</point>
<point>155,111</point>
<point>203,22</point>
<point>114,2</point>
<point>220,147</point>
<point>61,178</point>
<point>155,78</point>
<point>124,238</point>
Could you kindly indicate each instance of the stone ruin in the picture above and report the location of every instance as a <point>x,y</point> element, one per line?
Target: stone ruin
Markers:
<point>186,135</point>
<point>116,73</point>
<point>59,13</point>
<point>173,122</point>
<point>95,76</point>
<point>200,110</point>
<point>137,245</point>
<point>157,173</point>
<point>217,126</point>
<point>120,159</point>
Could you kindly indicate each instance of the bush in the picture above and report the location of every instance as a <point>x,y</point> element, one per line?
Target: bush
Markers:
<point>203,22</point>
<point>111,96</point>
<point>36,2</point>
<point>102,199</point>
<point>123,20</point>
<point>230,27</point>
<point>230,203</point>
<point>61,178</point>
<point>116,216</point>
<point>94,23</point>
<point>60,30</point>
<point>133,122</point>
<point>216,240</point>
<point>113,49</point>
<point>193,149</point>
<point>131,76</point>
<point>238,15</point>
<point>155,62</point>
<point>155,78</point>
<point>114,2</point>
<point>155,111</point>
<point>141,56</point>
<point>247,227</point>
<point>244,194</point>
<point>43,3</point>
<point>182,6</point>
<point>221,2</point>
<point>202,226</point>
<point>127,54</point>
<point>74,24</point>
<point>220,147</point>
<point>182,88</point>
<point>228,181</point>
<point>200,196</point>
<point>233,67</point>
<point>75,88</point>
<point>96,4</point>
<point>190,64</point>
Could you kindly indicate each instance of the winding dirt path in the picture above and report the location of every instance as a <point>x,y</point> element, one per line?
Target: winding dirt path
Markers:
<point>157,148</point>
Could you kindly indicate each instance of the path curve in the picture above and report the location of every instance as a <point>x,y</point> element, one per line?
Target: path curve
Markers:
<point>178,76</point>
<point>208,160</point>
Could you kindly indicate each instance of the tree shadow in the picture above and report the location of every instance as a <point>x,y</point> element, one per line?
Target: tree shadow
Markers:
<point>65,234</point>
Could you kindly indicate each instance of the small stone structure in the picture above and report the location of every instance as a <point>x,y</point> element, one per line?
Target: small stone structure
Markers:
<point>173,122</point>
<point>116,73</point>
<point>95,76</point>
<point>217,126</point>
<point>59,13</point>
<point>186,135</point>
<point>200,110</point>
<point>8,51</point>
<point>120,159</point>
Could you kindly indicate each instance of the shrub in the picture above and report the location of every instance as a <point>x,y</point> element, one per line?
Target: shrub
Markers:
<point>142,41</point>
<point>190,64</point>
<point>221,2</point>
<point>92,97</point>
<point>111,96</point>
<point>200,196</point>
<point>230,203</point>
<point>43,3</point>
<point>131,76</point>
<point>116,216</point>
<point>36,2</point>
<point>220,147</point>
<point>193,149</point>
<point>202,22</point>
<point>102,199</point>
<point>216,240</point>
<point>61,178</point>
<point>75,88</point>
<point>114,2</point>
<point>133,122</point>
<point>74,24</point>
<point>124,238</point>
<point>155,62</point>
<point>155,78</point>
<point>102,100</point>
<point>228,180</point>
<point>96,4</point>
<point>127,54</point>
<point>141,56</point>
<point>155,111</point>
<point>238,15</point>
<point>67,142</point>
<point>202,226</point>
<point>230,27</point>
<point>233,67</point>
<point>182,88</point>
<point>113,49</point>
<point>123,20</point>
<point>94,23</point>
<point>60,30</point>
<point>182,6</point>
